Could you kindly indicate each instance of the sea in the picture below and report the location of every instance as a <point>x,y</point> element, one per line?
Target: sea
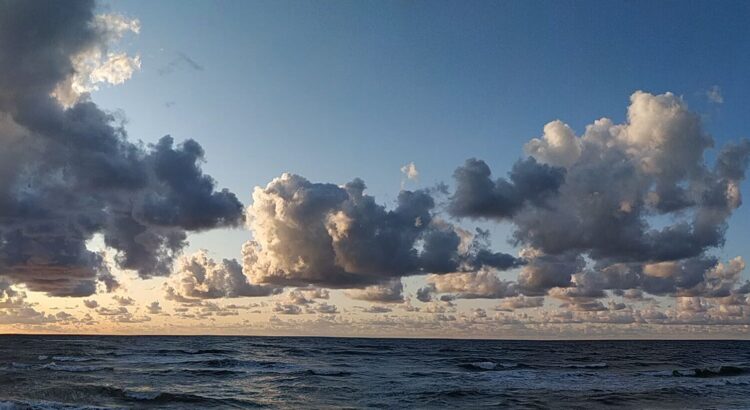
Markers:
<point>186,372</point>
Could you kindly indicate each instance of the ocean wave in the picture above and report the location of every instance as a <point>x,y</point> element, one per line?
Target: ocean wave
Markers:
<point>71,358</point>
<point>74,369</point>
<point>42,405</point>
<point>329,373</point>
<point>199,372</point>
<point>154,397</point>
<point>234,363</point>
<point>706,372</point>
<point>600,365</point>
<point>192,352</point>
<point>484,366</point>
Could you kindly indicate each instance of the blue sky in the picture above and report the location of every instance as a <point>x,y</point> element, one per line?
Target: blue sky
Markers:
<point>334,90</point>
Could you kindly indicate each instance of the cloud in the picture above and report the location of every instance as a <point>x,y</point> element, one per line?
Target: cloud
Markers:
<point>326,309</point>
<point>558,146</point>
<point>390,292</point>
<point>154,308</point>
<point>425,293</point>
<point>714,95</point>
<point>96,64</point>
<point>334,236</point>
<point>123,300</point>
<point>478,196</point>
<point>91,304</point>
<point>520,302</point>
<point>584,208</point>
<point>199,276</point>
<point>16,309</point>
<point>410,172</point>
<point>306,296</point>
<point>483,284</point>
<point>287,309</point>
<point>376,309</point>
<point>69,171</point>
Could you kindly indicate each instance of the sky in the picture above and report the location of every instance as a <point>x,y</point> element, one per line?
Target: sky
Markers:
<point>329,164</point>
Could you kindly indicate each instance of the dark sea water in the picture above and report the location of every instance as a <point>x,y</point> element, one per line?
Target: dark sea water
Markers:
<point>284,372</point>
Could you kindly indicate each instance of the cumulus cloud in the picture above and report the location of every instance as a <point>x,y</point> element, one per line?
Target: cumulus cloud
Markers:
<point>326,235</point>
<point>68,169</point>
<point>630,207</point>
<point>520,302</point>
<point>473,285</point>
<point>199,276</point>
<point>122,300</point>
<point>390,292</point>
<point>287,309</point>
<point>91,304</point>
<point>16,309</point>
<point>478,196</point>
<point>154,308</point>
<point>558,146</point>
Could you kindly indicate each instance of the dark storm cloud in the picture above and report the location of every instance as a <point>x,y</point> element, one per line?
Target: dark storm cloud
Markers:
<point>68,172</point>
<point>337,236</point>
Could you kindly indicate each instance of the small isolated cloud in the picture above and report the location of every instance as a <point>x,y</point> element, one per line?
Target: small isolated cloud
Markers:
<point>410,172</point>
<point>520,302</point>
<point>390,292</point>
<point>376,309</point>
<point>154,308</point>
<point>123,300</point>
<point>714,95</point>
<point>287,309</point>
<point>91,304</point>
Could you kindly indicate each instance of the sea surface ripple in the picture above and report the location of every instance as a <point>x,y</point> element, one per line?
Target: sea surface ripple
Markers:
<point>91,372</point>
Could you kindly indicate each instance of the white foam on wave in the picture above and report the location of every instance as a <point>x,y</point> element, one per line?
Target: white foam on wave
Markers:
<point>485,365</point>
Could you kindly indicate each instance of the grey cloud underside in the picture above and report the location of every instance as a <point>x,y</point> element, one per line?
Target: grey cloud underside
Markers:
<point>67,174</point>
<point>478,196</point>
